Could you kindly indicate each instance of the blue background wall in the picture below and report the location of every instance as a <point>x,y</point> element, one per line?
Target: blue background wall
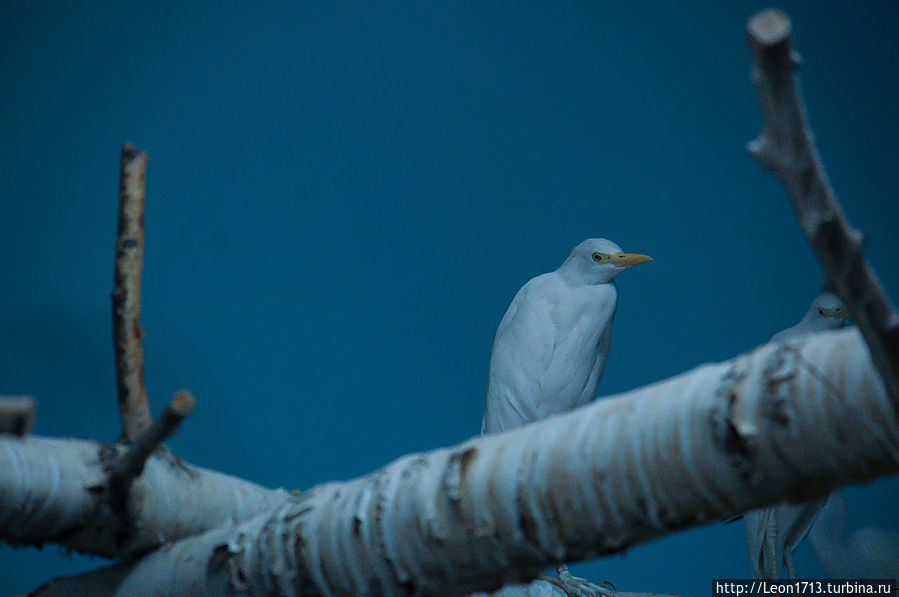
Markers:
<point>344,197</point>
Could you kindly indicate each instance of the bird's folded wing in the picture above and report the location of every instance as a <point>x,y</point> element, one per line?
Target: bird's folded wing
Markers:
<point>522,353</point>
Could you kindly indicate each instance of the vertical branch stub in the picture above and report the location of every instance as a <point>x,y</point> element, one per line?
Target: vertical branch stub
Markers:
<point>127,333</point>
<point>16,415</point>
<point>770,27</point>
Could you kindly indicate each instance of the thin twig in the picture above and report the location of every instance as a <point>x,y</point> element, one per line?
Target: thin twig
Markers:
<point>16,414</point>
<point>786,147</point>
<point>131,464</point>
<point>127,333</point>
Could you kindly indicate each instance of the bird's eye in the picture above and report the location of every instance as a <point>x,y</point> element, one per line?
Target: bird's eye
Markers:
<point>597,256</point>
<point>820,311</point>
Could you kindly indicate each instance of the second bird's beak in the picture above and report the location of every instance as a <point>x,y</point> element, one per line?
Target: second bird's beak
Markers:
<point>628,259</point>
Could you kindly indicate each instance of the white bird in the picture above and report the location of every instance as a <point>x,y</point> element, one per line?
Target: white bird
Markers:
<point>826,313</point>
<point>551,345</point>
<point>773,533</point>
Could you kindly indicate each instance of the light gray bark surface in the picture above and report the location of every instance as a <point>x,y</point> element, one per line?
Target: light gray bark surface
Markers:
<point>784,422</point>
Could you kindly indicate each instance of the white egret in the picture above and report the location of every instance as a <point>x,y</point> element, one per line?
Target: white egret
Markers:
<point>773,533</point>
<point>551,346</point>
<point>825,313</point>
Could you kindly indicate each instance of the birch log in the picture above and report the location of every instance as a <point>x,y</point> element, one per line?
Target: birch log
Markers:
<point>784,422</point>
<point>55,491</point>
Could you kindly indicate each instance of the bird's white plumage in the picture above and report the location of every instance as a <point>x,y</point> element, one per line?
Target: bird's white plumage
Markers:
<point>551,346</point>
<point>825,313</point>
<point>552,342</point>
<point>772,534</point>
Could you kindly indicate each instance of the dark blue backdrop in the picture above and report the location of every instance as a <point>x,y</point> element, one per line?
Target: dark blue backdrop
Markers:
<point>343,198</point>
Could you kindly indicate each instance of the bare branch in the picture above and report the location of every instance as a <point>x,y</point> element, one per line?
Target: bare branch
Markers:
<point>786,147</point>
<point>16,414</point>
<point>54,491</point>
<point>786,421</point>
<point>127,333</point>
<point>131,464</point>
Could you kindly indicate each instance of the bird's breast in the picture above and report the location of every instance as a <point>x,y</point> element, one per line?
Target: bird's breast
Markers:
<point>586,315</point>
<point>582,345</point>
<point>549,351</point>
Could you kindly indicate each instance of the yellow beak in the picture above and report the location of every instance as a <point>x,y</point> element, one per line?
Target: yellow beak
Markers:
<point>628,259</point>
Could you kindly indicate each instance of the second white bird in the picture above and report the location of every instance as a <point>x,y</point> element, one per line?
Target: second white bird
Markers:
<point>551,345</point>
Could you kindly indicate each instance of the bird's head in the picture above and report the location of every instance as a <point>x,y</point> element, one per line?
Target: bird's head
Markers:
<point>828,306</point>
<point>597,261</point>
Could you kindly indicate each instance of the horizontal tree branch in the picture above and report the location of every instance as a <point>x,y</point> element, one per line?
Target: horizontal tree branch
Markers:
<point>784,422</point>
<point>54,491</point>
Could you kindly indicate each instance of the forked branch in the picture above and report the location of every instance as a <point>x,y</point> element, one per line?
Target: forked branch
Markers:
<point>786,147</point>
<point>131,464</point>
